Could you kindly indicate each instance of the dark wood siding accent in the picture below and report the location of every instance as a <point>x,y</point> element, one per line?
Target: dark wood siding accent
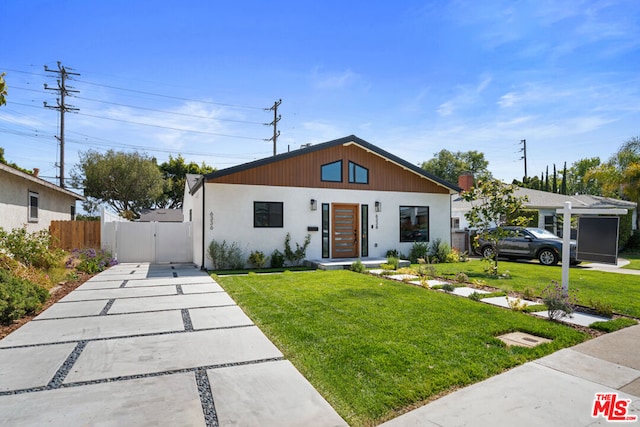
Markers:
<point>304,171</point>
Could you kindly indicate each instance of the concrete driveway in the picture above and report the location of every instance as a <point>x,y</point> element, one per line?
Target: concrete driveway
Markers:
<point>146,344</point>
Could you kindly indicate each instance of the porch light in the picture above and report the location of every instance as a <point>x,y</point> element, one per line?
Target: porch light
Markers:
<point>314,205</point>
<point>378,206</point>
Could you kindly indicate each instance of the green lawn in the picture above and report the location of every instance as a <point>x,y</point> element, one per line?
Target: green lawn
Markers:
<point>634,258</point>
<point>619,290</point>
<point>373,346</point>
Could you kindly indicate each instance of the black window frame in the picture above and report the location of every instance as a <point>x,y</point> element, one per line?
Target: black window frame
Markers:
<point>322,178</point>
<point>408,235</point>
<point>326,223</point>
<point>270,215</point>
<point>354,179</point>
<point>364,223</point>
<point>33,207</point>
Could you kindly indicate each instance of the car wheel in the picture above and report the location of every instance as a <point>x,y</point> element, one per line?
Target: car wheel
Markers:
<point>487,252</point>
<point>547,257</point>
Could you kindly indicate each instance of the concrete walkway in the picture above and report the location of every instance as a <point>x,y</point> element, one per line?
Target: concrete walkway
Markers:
<point>556,390</point>
<point>150,345</point>
<point>610,268</point>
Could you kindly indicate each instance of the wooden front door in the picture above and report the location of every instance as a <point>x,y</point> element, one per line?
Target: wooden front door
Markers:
<point>344,242</point>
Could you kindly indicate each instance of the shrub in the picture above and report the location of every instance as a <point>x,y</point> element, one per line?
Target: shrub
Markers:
<point>558,304</point>
<point>448,287</point>
<point>602,308</point>
<point>358,267</point>
<point>277,259</point>
<point>257,259</point>
<point>392,253</point>
<point>476,296</point>
<point>439,251</point>
<point>295,256</point>
<point>633,244</point>
<point>223,255</point>
<point>393,262</point>
<point>625,230</point>
<point>418,250</point>
<point>426,270</point>
<point>90,261</point>
<point>529,293</point>
<point>18,297</point>
<point>461,277</point>
<point>32,249</point>
<point>516,304</point>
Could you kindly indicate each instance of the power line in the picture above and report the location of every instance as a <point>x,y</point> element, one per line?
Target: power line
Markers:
<point>171,112</point>
<point>172,97</point>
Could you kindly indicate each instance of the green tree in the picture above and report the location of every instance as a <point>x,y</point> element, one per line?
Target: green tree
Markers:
<point>620,175</point>
<point>449,166</point>
<point>563,184</point>
<point>127,182</point>
<point>174,173</point>
<point>577,180</point>
<point>3,90</point>
<point>492,202</point>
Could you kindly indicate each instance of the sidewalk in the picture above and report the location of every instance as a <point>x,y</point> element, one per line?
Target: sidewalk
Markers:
<point>556,390</point>
<point>144,345</point>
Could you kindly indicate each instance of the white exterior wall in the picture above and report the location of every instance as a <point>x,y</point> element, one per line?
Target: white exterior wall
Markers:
<point>14,203</point>
<point>232,209</point>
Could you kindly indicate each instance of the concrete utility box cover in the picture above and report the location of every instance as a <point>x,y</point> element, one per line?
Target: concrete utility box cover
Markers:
<point>523,340</point>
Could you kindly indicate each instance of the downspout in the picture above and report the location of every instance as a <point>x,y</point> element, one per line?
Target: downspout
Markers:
<point>204,181</point>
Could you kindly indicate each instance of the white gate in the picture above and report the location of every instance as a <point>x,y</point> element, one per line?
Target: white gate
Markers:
<point>155,242</point>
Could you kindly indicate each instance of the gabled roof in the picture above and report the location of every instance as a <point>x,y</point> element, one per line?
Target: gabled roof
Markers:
<point>348,140</point>
<point>39,181</point>
<point>545,200</point>
<point>192,180</point>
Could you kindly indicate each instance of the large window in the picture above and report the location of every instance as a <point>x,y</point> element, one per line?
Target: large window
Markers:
<point>268,214</point>
<point>331,172</point>
<point>414,223</point>
<point>33,206</point>
<point>325,230</point>
<point>358,174</point>
<point>364,215</point>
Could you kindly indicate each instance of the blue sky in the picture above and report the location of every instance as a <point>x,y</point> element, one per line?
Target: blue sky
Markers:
<point>412,77</point>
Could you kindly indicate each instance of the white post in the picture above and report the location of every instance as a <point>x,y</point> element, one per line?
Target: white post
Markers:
<point>566,247</point>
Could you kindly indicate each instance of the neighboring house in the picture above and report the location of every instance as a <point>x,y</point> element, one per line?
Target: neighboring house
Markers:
<point>28,200</point>
<point>546,204</point>
<point>161,215</point>
<point>354,199</point>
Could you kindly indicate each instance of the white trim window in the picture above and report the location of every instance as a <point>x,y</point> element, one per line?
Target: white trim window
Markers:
<point>32,212</point>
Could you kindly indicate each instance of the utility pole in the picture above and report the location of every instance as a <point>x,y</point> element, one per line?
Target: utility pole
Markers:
<point>62,91</point>
<point>524,151</point>
<point>274,123</point>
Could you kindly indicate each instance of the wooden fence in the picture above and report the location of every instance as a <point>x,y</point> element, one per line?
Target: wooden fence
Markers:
<point>69,235</point>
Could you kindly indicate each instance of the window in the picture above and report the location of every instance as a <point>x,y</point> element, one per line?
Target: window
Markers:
<point>325,230</point>
<point>268,214</point>
<point>455,223</point>
<point>414,223</point>
<point>358,174</point>
<point>73,212</point>
<point>331,172</point>
<point>364,214</point>
<point>33,206</point>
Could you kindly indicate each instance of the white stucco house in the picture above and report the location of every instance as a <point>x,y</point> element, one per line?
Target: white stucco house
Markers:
<point>26,200</point>
<point>354,199</point>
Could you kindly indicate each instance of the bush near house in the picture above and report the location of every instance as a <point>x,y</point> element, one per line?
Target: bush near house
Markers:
<point>223,255</point>
<point>32,249</point>
<point>19,297</point>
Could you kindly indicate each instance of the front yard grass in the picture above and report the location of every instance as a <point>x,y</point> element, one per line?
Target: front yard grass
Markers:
<point>374,347</point>
<point>634,260</point>
<point>618,290</point>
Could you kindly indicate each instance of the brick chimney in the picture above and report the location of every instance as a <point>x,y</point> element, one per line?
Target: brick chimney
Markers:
<point>36,172</point>
<point>465,181</point>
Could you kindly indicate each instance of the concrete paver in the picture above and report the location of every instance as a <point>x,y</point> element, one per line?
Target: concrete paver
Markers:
<point>161,353</point>
<point>97,327</point>
<point>171,400</point>
<point>576,318</point>
<point>22,368</point>
<point>173,302</point>
<point>86,295</point>
<point>73,309</point>
<point>465,291</point>
<point>505,301</point>
<point>199,288</point>
<point>268,394</point>
<point>218,317</point>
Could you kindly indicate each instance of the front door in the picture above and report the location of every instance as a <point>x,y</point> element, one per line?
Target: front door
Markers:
<point>344,242</point>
